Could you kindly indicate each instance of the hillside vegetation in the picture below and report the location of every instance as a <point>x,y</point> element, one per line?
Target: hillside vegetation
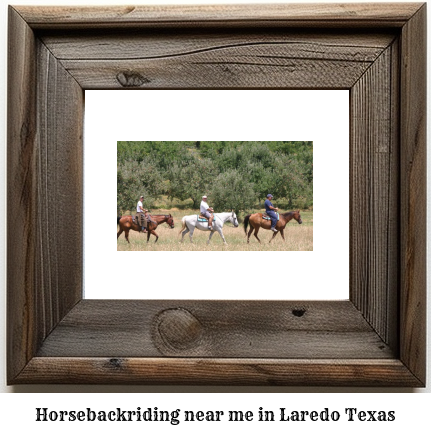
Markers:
<point>234,174</point>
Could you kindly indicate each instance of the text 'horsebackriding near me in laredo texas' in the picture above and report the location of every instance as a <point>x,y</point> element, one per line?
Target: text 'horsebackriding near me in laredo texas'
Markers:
<point>270,220</point>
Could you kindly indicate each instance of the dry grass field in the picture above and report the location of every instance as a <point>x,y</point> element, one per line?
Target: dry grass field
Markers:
<point>298,237</point>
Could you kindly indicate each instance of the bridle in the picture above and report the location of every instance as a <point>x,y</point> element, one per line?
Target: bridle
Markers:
<point>234,219</point>
<point>171,225</point>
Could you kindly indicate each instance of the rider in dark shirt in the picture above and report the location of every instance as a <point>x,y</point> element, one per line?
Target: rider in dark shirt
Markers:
<point>270,211</point>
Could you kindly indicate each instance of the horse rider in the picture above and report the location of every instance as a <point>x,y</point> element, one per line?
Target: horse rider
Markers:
<point>270,211</point>
<point>207,211</point>
<point>140,216</point>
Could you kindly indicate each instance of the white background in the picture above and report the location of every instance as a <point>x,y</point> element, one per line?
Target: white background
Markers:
<point>17,410</point>
<point>209,115</point>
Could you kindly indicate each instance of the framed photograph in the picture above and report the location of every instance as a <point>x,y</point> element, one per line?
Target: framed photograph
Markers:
<point>248,126</point>
<point>375,337</point>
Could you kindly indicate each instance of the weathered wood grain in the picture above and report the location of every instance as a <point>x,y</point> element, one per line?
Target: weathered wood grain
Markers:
<point>309,15</point>
<point>374,195</point>
<point>54,336</point>
<point>141,44</point>
<point>45,105</point>
<point>253,59</point>
<point>192,59</point>
<point>21,196</point>
<point>329,372</point>
<point>59,184</point>
<point>269,66</point>
<point>199,71</point>
<point>413,194</point>
<point>235,329</point>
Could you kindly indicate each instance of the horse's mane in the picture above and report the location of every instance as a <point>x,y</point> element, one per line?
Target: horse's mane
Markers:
<point>288,213</point>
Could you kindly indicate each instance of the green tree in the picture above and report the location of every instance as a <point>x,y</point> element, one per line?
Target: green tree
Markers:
<point>190,177</point>
<point>162,153</point>
<point>135,179</point>
<point>129,189</point>
<point>188,169</point>
<point>290,181</point>
<point>230,190</point>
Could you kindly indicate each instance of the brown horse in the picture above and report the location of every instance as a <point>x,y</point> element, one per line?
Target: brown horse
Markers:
<point>256,221</point>
<point>127,223</point>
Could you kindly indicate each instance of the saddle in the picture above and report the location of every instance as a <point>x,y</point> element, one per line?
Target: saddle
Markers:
<point>146,216</point>
<point>202,218</point>
<point>266,217</point>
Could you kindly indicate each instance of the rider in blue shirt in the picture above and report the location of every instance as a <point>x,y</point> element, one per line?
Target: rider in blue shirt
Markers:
<point>270,211</point>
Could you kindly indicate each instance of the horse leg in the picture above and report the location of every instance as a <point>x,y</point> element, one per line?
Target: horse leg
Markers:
<point>282,234</point>
<point>272,238</point>
<point>126,233</point>
<point>222,236</point>
<point>256,230</point>
<point>191,234</point>
<point>249,233</point>
<point>155,234</point>
<point>119,232</point>
<point>184,233</point>
<point>209,238</point>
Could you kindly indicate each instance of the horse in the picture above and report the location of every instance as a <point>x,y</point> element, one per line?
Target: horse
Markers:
<point>256,221</point>
<point>191,222</point>
<point>127,223</point>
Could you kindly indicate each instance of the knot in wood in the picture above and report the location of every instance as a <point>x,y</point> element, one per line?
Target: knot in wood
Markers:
<point>115,363</point>
<point>298,312</point>
<point>131,79</point>
<point>178,329</point>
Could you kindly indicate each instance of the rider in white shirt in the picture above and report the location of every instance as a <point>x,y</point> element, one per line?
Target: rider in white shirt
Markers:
<point>207,211</point>
<point>140,216</point>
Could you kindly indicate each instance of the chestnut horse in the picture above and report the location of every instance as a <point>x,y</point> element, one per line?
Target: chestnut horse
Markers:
<point>256,221</point>
<point>127,223</point>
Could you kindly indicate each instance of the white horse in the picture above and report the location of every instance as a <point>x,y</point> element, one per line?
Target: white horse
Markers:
<point>191,222</point>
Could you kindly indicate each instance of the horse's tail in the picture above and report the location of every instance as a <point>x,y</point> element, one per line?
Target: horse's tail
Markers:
<point>183,220</point>
<point>246,222</point>
<point>118,220</point>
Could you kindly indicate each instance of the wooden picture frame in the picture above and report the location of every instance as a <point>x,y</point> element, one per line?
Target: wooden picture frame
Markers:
<point>376,338</point>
